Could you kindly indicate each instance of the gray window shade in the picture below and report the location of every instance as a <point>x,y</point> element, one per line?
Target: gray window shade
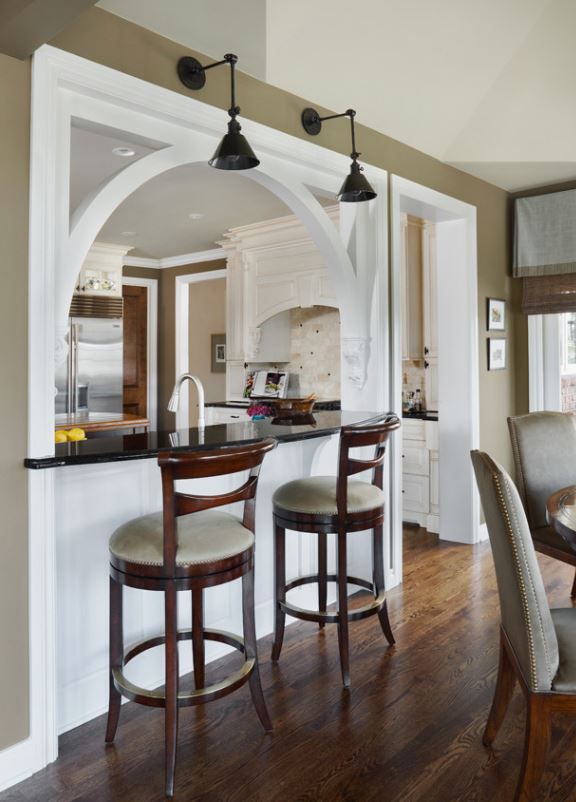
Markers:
<point>545,234</point>
<point>546,295</point>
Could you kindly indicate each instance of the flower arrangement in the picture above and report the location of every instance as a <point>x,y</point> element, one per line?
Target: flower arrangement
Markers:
<point>258,411</point>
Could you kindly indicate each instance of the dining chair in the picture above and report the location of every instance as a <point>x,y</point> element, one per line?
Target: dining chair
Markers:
<point>537,644</point>
<point>544,448</point>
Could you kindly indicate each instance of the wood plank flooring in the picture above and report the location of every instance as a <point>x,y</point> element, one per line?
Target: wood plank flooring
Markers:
<point>409,730</point>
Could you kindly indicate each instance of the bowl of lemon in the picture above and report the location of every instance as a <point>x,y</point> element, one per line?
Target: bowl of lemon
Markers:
<point>69,435</point>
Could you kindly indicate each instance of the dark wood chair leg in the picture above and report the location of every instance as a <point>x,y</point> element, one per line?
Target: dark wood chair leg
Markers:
<point>198,655</point>
<point>171,711</point>
<point>573,591</point>
<point>505,683</point>
<point>536,744</point>
<point>378,579</point>
<point>322,572</point>
<point>279,588</point>
<point>116,656</point>
<point>251,648</point>
<point>343,641</point>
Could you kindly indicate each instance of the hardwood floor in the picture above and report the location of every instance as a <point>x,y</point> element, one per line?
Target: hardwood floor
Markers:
<point>409,729</point>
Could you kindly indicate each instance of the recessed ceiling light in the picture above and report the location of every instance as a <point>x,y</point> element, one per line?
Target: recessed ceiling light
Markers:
<point>128,233</point>
<point>126,152</point>
<point>195,216</point>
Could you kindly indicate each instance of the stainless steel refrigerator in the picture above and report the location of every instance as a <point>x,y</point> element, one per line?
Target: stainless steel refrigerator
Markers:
<point>91,378</point>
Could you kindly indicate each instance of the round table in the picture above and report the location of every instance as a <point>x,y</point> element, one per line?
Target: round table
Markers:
<point>561,514</point>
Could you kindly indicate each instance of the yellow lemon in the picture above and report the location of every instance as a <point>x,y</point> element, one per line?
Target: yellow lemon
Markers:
<point>60,437</point>
<point>76,434</point>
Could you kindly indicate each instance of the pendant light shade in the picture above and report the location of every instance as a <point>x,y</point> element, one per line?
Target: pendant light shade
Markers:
<point>233,152</point>
<point>356,186</point>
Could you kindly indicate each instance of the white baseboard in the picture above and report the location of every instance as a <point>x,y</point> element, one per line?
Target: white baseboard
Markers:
<point>482,533</point>
<point>18,762</point>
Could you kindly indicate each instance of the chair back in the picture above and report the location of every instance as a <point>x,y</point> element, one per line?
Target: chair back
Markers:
<point>176,465</point>
<point>526,618</point>
<point>374,433</point>
<point>544,446</point>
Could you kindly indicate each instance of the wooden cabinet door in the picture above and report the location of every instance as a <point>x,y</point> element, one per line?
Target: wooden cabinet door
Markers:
<point>135,400</point>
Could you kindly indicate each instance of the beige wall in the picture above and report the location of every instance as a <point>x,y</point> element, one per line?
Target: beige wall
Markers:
<point>109,40</point>
<point>207,317</point>
<point>14,127</point>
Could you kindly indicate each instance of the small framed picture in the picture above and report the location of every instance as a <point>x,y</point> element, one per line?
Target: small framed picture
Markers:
<point>496,314</point>
<point>496,353</point>
<point>218,353</point>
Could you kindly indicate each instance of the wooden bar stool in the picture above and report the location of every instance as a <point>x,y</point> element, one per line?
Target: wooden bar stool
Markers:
<point>325,504</point>
<point>188,546</point>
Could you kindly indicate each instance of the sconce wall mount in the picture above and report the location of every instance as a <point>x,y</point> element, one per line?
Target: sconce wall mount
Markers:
<point>233,152</point>
<point>356,186</point>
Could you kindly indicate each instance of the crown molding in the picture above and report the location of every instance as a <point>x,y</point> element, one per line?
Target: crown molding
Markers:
<point>176,261</point>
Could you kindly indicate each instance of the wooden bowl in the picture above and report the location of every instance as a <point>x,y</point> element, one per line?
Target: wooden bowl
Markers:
<point>287,407</point>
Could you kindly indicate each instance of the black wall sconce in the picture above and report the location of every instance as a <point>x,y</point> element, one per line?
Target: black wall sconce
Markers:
<point>233,152</point>
<point>356,187</point>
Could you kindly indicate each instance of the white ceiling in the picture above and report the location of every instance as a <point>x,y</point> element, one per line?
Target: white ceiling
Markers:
<point>159,211</point>
<point>486,86</point>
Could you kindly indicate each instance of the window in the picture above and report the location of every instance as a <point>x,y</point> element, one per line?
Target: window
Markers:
<point>568,343</point>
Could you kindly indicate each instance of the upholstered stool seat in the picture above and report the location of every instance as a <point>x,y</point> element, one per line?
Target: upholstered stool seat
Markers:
<point>337,505</point>
<point>318,496</point>
<point>203,537</point>
<point>191,545</point>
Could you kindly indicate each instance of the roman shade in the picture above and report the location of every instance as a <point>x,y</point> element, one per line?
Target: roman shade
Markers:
<point>547,295</point>
<point>545,235</point>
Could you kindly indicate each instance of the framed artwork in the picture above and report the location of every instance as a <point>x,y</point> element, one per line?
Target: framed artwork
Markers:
<point>495,314</point>
<point>218,353</point>
<point>496,353</point>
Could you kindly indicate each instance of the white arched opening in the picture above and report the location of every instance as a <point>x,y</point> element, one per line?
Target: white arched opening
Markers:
<point>67,87</point>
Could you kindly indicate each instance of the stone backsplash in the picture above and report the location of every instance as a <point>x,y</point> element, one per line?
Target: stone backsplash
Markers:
<point>413,379</point>
<point>314,365</point>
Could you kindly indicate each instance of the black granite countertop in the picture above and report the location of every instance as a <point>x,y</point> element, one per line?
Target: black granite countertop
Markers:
<point>148,444</point>
<point>426,414</point>
<point>328,405</point>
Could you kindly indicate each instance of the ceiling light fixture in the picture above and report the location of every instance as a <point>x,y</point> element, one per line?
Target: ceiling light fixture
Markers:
<point>125,152</point>
<point>196,215</point>
<point>233,152</point>
<point>128,233</point>
<point>356,186</point>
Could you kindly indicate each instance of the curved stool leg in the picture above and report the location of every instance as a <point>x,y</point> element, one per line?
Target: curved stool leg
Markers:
<point>378,575</point>
<point>171,711</point>
<point>279,588</point>
<point>343,641</point>
<point>322,571</point>
<point>251,649</point>
<point>116,657</point>
<point>198,656</point>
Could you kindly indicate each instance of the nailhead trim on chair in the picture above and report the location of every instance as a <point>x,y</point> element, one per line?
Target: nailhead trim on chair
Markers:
<point>523,595</point>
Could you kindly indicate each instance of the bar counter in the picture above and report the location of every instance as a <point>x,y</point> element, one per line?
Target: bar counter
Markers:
<point>101,483</point>
<point>147,444</point>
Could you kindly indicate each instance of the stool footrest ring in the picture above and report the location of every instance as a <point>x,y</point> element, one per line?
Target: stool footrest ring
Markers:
<point>156,698</point>
<point>366,610</point>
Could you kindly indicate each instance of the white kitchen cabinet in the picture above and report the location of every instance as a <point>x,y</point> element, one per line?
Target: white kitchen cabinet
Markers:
<point>273,266</point>
<point>215,415</point>
<point>430,307</point>
<point>420,496</point>
<point>101,273</point>
<point>412,289</point>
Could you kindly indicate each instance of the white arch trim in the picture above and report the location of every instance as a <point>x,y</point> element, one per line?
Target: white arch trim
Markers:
<point>65,86</point>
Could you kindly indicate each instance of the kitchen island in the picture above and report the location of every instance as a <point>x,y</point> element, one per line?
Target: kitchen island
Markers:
<point>102,483</point>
